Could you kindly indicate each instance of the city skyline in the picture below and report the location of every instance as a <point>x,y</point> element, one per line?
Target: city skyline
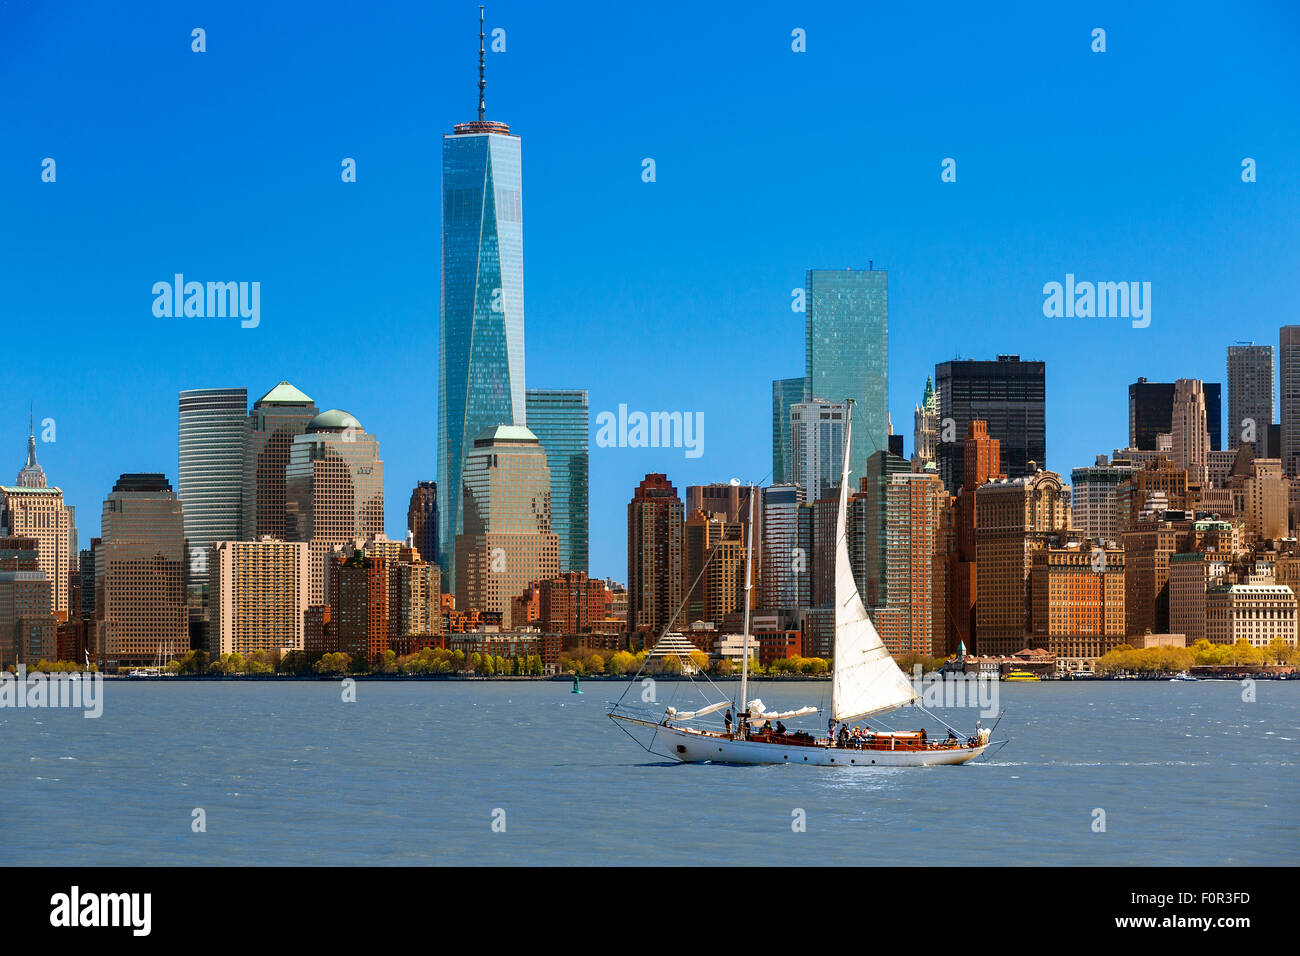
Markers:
<point>1021,198</point>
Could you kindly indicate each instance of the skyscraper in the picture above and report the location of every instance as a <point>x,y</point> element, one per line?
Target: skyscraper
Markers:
<point>785,393</point>
<point>275,420</point>
<point>35,510</point>
<point>481,335</point>
<point>817,447</point>
<point>422,520</point>
<point>785,561</point>
<point>140,612</point>
<point>847,354</point>
<point>1009,395</point>
<point>558,417</point>
<point>258,595</point>
<point>1189,430</point>
<point>925,428</point>
<point>1150,413</point>
<point>1288,370</point>
<point>334,490</point>
<point>1250,397</point>
<point>654,557</point>
<point>506,542</point>
<point>210,477</point>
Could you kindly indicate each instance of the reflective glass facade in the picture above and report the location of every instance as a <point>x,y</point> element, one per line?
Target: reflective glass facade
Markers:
<point>785,392</point>
<point>558,417</point>
<point>481,342</point>
<point>847,352</point>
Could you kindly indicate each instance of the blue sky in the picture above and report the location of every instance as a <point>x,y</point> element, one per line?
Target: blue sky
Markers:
<point>675,295</point>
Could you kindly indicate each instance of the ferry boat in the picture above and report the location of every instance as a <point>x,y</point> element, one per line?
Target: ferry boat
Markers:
<point>865,681</point>
<point>1016,675</point>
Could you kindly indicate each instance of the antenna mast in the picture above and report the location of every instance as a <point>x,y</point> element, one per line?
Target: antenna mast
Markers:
<point>482,84</point>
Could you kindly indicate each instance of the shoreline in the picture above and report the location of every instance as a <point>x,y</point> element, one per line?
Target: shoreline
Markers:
<point>625,678</point>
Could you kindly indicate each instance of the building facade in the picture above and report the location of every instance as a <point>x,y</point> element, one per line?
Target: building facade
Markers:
<point>259,596</point>
<point>1009,396</point>
<point>274,421</point>
<point>786,392</point>
<point>654,557</point>
<point>559,419</point>
<point>1250,398</point>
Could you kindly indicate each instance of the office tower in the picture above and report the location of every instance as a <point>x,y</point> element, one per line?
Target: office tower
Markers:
<point>905,511</point>
<point>1150,413</point>
<point>275,420</point>
<point>33,509</point>
<point>24,599</point>
<point>1096,507</point>
<point>1077,598</point>
<point>654,558</point>
<point>867,527</point>
<point>1250,397</point>
<point>358,602</point>
<point>982,462</point>
<point>817,447</point>
<point>785,393</point>
<point>1264,498</point>
<point>1288,372</point>
<point>1159,481</point>
<point>1189,432</point>
<point>825,516</point>
<point>846,352</point>
<point>210,479</point>
<point>506,542</point>
<point>258,595</point>
<point>1009,396</point>
<point>925,428</point>
<point>422,520</point>
<point>140,612</point>
<point>334,490</point>
<point>382,597</point>
<point>1147,553</point>
<point>1015,517</point>
<point>481,334</point>
<point>558,417</point>
<point>785,560</point>
<point>713,567</point>
<point>732,502</point>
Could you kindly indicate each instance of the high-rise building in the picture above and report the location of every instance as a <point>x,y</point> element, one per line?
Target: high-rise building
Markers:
<point>1250,397</point>
<point>1288,373</point>
<point>817,447</point>
<point>1077,601</point>
<point>274,421</point>
<point>481,333</point>
<point>654,558</point>
<point>259,595</point>
<point>1147,553</point>
<point>33,509</point>
<point>925,428</point>
<point>912,508</point>
<point>1016,517</point>
<point>786,562</point>
<point>1189,433</point>
<point>506,542</point>
<point>24,599</point>
<point>558,417</point>
<point>847,352</point>
<point>785,393</point>
<point>1009,395</point>
<point>1097,508</point>
<point>422,520</point>
<point>334,490</point>
<point>981,461</point>
<point>140,611</point>
<point>210,480</point>
<point>1151,412</point>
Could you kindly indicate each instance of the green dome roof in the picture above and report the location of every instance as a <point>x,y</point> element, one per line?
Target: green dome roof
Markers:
<point>333,419</point>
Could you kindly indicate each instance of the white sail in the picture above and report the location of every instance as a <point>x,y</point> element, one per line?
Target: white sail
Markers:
<point>866,680</point>
<point>672,713</point>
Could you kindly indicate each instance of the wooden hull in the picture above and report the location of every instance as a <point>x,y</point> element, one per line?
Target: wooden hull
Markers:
<point>693,746</point>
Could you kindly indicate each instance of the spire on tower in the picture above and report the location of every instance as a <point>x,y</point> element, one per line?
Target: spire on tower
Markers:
<point>482,83</point>
<point>31,475</point>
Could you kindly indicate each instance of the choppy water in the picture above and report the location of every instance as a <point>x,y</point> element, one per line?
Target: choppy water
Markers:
<point>411,773</point>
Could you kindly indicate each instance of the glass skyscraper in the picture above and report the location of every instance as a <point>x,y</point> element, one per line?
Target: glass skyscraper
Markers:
<point>785,392</point>
<point>847,353</point>
<point>558,417</point>
<point>481,341</point>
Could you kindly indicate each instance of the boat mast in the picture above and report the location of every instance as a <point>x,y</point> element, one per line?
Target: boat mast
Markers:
<point>841,535</point>
<point>749,584</point>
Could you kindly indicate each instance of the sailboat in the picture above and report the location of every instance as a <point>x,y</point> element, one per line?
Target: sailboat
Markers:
<point>865,681</point>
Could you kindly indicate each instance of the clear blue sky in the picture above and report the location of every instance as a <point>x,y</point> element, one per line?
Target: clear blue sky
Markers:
<point>672,295</point>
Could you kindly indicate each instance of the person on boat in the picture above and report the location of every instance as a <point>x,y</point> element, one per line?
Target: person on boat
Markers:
<point>830,729</point>
<point>726,718</point>
<point>780,728</point>
<point>952,737</point>
<point>844,735</point>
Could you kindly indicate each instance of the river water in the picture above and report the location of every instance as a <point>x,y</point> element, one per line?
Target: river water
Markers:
<point>471,773</point>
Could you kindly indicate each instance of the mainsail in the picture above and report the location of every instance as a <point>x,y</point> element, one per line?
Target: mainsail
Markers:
<point>866,680</point>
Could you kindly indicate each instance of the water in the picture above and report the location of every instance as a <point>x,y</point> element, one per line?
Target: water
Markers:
<point>412,772</point>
